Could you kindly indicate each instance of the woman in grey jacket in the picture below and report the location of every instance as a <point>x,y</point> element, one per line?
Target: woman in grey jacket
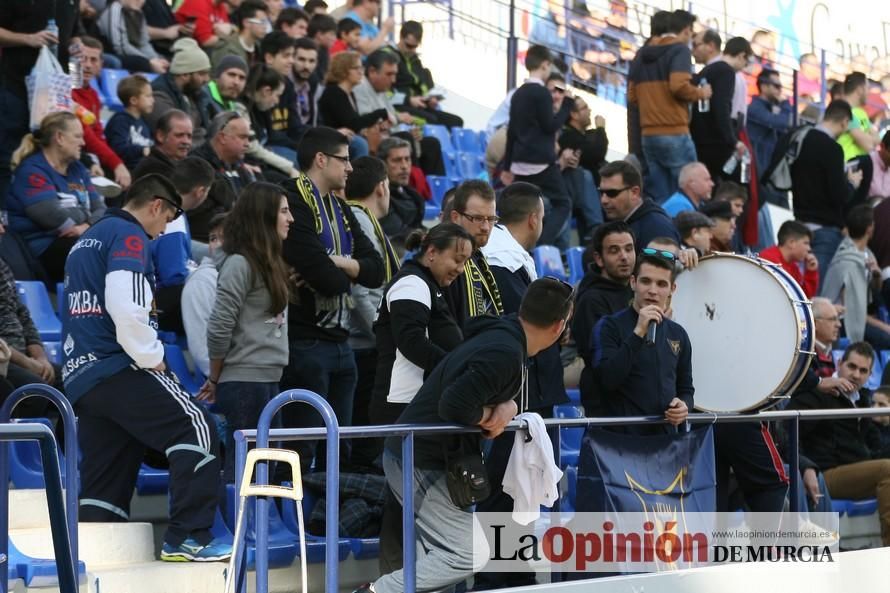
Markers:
<point>247,331</point>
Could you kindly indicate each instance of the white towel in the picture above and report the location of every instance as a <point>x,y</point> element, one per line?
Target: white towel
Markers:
<point>532,478</point>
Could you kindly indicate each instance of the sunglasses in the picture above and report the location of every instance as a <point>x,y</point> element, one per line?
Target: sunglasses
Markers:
<point>659,253</point>
<point>175,206</point>
<point>614,192</point>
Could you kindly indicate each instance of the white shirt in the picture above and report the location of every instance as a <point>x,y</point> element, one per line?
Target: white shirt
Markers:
<point>531,478</point>
<point>504,251</point>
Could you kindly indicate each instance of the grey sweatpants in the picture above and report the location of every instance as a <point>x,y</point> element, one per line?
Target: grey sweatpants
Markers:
<point>444,532</point>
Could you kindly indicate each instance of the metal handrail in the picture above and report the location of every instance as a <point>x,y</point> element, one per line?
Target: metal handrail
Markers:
<point>66,564</point>
<point>69,423</point>
<point>333,432</point>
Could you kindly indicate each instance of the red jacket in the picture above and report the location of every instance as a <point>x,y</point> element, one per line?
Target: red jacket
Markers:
<point>206,13</point>
<point>808,280</point>
<point>93,134</point>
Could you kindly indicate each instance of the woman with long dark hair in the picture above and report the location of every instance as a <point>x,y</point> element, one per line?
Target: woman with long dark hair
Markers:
<point>247,331</point>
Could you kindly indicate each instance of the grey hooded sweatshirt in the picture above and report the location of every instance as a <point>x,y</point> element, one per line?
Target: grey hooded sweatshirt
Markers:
<point>848,276</point>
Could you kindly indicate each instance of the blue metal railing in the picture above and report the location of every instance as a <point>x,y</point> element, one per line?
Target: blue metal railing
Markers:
<point>69,422</point>
<point>62,543</point>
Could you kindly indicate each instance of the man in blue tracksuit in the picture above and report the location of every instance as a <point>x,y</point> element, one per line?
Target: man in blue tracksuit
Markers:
<point>637,378</point>
<point>115,377</point>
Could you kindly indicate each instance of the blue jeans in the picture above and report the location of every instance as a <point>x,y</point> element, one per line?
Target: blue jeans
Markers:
<point>328,369</point>
<point>585,206</point>
<point>665,156</point>
<point>824,244</point>
<point>242,403</point>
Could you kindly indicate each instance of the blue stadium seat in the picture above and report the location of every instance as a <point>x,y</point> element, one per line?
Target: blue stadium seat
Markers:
<point>574,256</point>
<point>568,487</point>
<point>441,134</point>
<point>569,438</point>
<point>466,140</point>
<point>857,508</point>
<point>315,544</point>
<point>840,506</point>
<point>483,140</point>
<point>152,480</point>
<point>283,546</point>
<point>149,76</point>
<point>548,262</point>
<point>110,79</point>
<point>177,364</point>
<point>25,465</point>
<point>53,352</point>
<point>470,166</point>
<point>35,572</point>
<point>431,211</point>
<point>843,343</point>
<point>439,186</point>
<point>35,297</point>
<point>60,298</point>
<point>574,396</point>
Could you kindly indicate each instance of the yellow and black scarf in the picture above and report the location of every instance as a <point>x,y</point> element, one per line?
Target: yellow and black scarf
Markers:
<point>390,259</point>
<point>482,294</point>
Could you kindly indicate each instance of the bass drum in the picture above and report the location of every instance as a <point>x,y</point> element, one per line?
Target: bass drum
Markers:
<point>751,328</point>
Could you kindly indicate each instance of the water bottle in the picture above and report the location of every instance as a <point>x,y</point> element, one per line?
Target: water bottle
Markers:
<point>745,172</point>
<point>731,163</point>
<point>704,105</point>
<point>75,69</point>
<point>53,28</point>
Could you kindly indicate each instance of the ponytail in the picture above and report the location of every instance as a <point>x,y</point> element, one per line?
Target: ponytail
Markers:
<point>27,147</point>
<point>43,136</point>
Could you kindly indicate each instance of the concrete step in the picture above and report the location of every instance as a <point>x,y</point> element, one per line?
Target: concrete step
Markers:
<point>101,544</point>
<point>159,577</point>
<point>27,509</point>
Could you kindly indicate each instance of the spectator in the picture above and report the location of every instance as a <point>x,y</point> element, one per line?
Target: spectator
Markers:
<point>279,54</point>
<point>322,30</point>
<point>162,27</point>
<point>604,290</point>
<point>735,194</point>
<point>819,185</point>
<point>349,33</point>
<point>861,137</point>
<point>229,138</point>
<point>738,54</point>
<point>623,369</point>
<point>52,201</point>
<point>415,81</point>
<point>880,162</point>
<point>406,206</point>
<point>368,194</point>
<point>209,18</point>
<point>116,379</point>
<point>292,21</point>
<point>24,352</point>
<point>339,12</point>
<point>660,85</point>
<point>331,253</point>
<point>839,446</point>
<point>809,79</point>
<point>477,292</point>
<point>172,252</point>
<point>366,13</point>
<point>198,297</point>
<point>180,87</point>
<point>88,99</point>
<point>337,107</point>
<point>306,60</point>
<point>695,230</point>
<point>252,21</point>
<point>173,142</point>
<point>828,325</point>
<point>247,330</point>
<point>880,447</point>
<point>583,180</point>
<point>594,142</point>
<point>621,197</point>
<point>793,253</point>
<point>769,117</point>
<point>851,277</point>
<point>474,385</point>
<point>127,131</point>
<point>124,25</point>
<point>274,9</point>
<point>263,93</point>
<point>723,230</point>
<point>316,8</point>
<point>695,188</point>
<point>531,136</point>
<point>22,33</point>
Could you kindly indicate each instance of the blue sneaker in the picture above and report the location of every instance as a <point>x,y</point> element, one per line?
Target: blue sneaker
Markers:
<point>192,551</point>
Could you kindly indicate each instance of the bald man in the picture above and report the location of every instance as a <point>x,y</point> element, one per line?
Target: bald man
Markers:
<point>695,188</point>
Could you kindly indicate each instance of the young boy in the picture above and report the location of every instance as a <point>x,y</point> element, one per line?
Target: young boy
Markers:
<point>127,132</point>
<point>792,250</point>
<point>349,33</point>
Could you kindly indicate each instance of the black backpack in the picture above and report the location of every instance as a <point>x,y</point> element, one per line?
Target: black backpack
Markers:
<point>778,174</point>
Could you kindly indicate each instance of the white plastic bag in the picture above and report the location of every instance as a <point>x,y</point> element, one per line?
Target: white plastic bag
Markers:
<point>49,88</point>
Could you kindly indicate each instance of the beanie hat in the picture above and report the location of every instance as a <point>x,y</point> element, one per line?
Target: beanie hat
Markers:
<point>188,57</point>
<point>228,63</point>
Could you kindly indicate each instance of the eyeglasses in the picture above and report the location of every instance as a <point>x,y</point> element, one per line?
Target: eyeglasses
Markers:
<point>175,206</point>
<point>256,21</point>
<point>479,219</point>
<point>659,253</point>
<point>614,192</point>
<point>342,159</point>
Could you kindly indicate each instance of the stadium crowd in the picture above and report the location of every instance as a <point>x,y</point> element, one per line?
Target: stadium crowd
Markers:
<point>260,192</point>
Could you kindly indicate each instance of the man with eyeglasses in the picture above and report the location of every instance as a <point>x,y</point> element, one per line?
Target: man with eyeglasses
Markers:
<point>253,24</point>
<point>115,377</point>
<point>769,117</point>
<point>331,254</point>
<point>475,292</point>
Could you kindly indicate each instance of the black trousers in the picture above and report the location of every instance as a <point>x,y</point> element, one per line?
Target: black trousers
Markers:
<point>552,185</point>
<point>169,303</point>
<point>748,448</point>
<point>53,259</point>
<point>123,415</point>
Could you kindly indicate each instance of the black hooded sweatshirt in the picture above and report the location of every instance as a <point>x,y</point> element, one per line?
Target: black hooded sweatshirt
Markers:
<point>485,370</point>
<point>650,221</point>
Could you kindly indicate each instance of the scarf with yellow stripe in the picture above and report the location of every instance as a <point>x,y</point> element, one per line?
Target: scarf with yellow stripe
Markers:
<point>480,287</point>
<point>390,259</point>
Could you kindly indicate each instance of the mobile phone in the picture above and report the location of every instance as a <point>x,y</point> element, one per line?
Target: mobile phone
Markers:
<point>191,20</point>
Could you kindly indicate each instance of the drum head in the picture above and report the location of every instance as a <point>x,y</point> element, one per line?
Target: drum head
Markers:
<point>744,330</point>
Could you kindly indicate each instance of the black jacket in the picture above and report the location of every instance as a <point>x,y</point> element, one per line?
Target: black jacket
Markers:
<point>304,251</point>
<point>155,162</point>
<point>422,335</point>
<point>545,379</point>
<point>597,297</point>
<point>639,380</point>
<point>818,181</point>
<point>531,133</point>
<point>715,127</point>
<point>594,144</point>
<point>651,221</point>
<point>228,181</point>
<point>834,442</point>
<point>336,109</point>
<point>486,369</point>
<point>406,211</point>
<point>169,96</point>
